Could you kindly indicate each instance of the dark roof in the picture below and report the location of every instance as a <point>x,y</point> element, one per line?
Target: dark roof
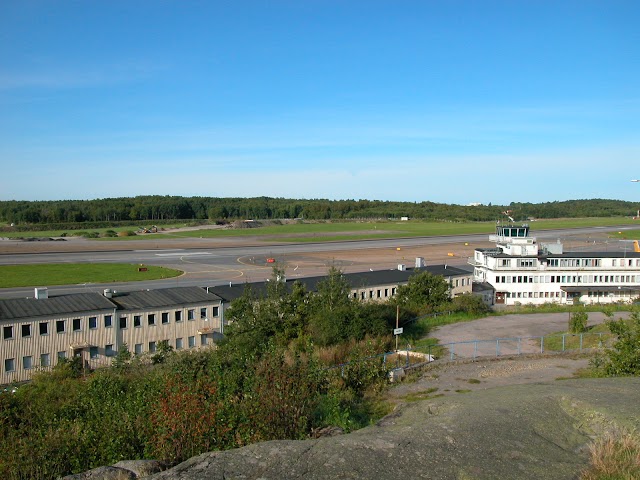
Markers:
<point>480,287</point>
<point>355,280</point>
<point>17,308</point>
<point>163,297</point>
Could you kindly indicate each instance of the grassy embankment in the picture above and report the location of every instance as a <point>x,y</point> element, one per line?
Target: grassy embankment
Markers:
<point>70,274</point>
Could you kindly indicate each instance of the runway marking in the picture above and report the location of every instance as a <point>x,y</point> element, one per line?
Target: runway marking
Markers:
<point>164,250</point>
<point>182,254</point>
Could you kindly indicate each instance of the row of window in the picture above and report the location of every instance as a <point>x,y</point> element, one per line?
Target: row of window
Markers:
<point>571,262</point>
<point>94,353</point>
<point>535,294</point>
<point>26,329</point>
<point>562,294</point>
<point>375,293</point>
<point>568,279</point>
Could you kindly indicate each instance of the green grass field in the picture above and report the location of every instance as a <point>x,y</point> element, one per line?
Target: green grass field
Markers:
<point>78,273</point>
<point>361,230</point>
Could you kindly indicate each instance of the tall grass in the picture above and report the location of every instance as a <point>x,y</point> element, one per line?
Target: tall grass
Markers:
<point>614,456</point>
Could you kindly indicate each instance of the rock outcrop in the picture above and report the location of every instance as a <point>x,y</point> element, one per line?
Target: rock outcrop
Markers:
<point>538,431</point>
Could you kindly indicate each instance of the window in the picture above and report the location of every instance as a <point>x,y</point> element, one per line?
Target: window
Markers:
<point>27,362</point>
<point>7,332</point>
<point>93,323</point>
<point>203,313</point>
<point>44,328</point>
<point>137,349</point>
<point>137,320</point>
<point>151,319</point>
<point>77,325</point>
<point>191,314</point>
<point>93,352</point>
<point>45,360</point>
<point>25,330</point>
<point>108,321</point>
<point>178,343</point>
<point>62,354</point>
<point>152,347</point>
<point>165,317</point>
<point>60,326</point>
<point>9,365</point>
<point>216,311</point>
<point>192,342</point>
<point>108,350</point>
<point>178,315</point>
<point>203,340</point>
<point>123,322</point>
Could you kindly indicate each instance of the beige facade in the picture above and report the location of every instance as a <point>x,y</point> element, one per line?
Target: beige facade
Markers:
<point>94,328</point>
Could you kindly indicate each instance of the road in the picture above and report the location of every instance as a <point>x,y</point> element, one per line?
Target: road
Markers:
<point>214,263</point>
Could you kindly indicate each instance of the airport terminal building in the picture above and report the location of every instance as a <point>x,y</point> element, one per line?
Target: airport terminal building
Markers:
<point>521,271</point>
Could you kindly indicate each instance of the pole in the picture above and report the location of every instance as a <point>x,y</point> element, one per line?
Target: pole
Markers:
<point>397,321</point>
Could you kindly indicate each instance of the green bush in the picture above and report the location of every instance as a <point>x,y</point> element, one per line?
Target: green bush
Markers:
<point>623,358</point>
<point>578,322</point>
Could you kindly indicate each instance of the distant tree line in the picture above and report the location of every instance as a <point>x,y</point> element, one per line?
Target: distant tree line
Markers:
<point>114,211</point>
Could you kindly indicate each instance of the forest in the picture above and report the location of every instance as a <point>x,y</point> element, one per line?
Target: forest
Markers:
<point>119,211</point>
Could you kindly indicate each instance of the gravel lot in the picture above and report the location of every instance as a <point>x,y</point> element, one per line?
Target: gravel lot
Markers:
<point>465,376</point>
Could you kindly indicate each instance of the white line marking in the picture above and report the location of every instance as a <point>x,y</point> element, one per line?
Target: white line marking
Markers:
<point>182,254</point>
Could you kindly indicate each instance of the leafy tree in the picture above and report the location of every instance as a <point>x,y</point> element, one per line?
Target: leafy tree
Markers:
<point>423,292</point>
<point>278,317</point>
<point>624,357</point>
<point>469,303</point>
<point>333,311</point>
<point>123,359</point>
<point>163,352</point>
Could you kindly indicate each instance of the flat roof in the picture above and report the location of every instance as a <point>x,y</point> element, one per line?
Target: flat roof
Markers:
<point>497,253</point>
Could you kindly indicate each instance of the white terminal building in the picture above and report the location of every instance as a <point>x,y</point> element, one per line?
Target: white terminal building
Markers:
<point>521,271</point>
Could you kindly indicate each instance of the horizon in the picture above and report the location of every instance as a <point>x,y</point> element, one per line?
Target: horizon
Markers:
<point>472,204</point>
<point>452,103</point>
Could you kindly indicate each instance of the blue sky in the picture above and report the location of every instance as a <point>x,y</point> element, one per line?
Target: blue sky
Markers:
<point>444,101</point>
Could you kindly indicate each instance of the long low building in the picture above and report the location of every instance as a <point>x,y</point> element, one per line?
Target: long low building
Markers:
<point>376,285</point>
<point>521,271</point>
<point>37,332</point>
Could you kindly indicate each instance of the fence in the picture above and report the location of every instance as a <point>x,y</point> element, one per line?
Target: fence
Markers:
<point>474,349</point>
<point>498,347</point>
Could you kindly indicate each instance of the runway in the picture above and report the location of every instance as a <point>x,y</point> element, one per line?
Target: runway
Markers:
<point>252,261</point>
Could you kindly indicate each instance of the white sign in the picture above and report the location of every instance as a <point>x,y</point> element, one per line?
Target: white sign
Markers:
<point>397,331</point>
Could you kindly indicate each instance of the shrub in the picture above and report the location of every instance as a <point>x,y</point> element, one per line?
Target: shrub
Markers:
<point>624,356</point>
<point>578,322</point>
